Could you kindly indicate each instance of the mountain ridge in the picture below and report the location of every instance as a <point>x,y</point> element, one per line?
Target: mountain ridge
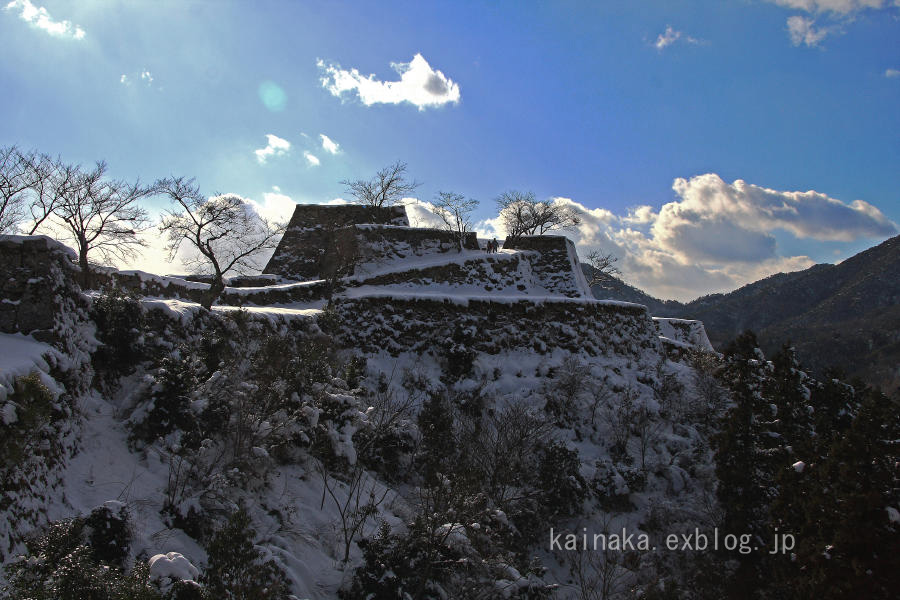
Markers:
<point>844,315</point>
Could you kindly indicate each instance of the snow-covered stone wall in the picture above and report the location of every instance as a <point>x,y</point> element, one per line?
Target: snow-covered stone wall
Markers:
<point>311,233</point>
<point>34,271</point>
<point>684,332</point>
<point>554,262</point>
<point>409,323</point>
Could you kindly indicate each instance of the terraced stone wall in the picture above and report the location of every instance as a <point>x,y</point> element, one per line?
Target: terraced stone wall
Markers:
<point>311,234</point>
<point>398,324</point>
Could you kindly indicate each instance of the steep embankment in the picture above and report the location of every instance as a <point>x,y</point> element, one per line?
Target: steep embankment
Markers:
<point>450,429</point>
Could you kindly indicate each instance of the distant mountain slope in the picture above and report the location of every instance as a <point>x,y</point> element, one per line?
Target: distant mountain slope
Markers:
<point>845,315</point>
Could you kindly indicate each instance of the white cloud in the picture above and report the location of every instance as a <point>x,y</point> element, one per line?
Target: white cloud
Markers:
<point>329,145</point>
<point>419,84</point>
<point>38,17</point>
<point>312,159</point>
<point>716,236</point>
<point>275,207</point>
<point>892,73</point>
<point>124,80</point>
<point>421,213</point>
<point>275,147</point>
<point>670,36</point>
<point>640,215</point>
<point>835,13</point>
<point>147,76</point>
<point>802,31</point>
<point>839,7</point>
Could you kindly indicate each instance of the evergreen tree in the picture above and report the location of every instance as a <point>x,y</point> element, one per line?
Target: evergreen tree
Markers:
<point>237,569</point>
<point>744,457</point>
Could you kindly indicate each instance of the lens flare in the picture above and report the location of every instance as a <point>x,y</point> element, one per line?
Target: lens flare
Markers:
<point>272,96</point>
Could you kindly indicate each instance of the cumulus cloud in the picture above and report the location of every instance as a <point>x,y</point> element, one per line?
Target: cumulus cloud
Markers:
<point>419,84</point>
<point>670,36</point>
<point>329,145</point>
<point>275,147</point>
<point>892,73</point>
<point>38,17</point>
<point>421,213</point>
<point>275,206</point>
<point>311,158</point>
<point>802,30</point>
<point>716,236</point>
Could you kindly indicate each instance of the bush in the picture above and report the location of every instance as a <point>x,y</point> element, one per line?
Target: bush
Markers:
<point>170,397</point>
<point>119,318</point>
<point>563,489</point>
<point>237,568</point>
<point>80,559</point>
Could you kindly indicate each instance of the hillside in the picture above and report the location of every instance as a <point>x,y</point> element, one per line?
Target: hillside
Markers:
<point>436,423</point>
<point>845,315</point>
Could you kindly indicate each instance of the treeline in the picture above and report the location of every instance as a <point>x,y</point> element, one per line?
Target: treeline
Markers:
<point>814,459</point>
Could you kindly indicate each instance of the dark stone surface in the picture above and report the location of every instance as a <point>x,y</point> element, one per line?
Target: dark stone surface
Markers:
<point>312,232</point>
<point>405,324</point>
<point>34,271</point>
<point>551,263</point>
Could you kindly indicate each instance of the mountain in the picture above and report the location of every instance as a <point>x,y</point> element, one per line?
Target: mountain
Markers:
<point>845,315</point>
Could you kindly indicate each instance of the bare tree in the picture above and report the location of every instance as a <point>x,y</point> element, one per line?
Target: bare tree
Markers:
<point>102,215</point>
<point>227,234</point>
<point>50,180</point>
<point>388,187</point>
<point>600,573</point>
<point>522,214</point>
<point>603,268</point>
<point>455,210</point>
<point>14,183</point>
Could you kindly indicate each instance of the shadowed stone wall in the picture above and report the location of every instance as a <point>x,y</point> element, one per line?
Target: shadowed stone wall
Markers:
<point>550,261</point>
<point>37,274</point>
<point>410,324</point>
<point>312,231</point>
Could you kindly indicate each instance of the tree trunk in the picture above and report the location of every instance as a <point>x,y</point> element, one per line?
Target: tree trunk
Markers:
<point>215,290</point>
<point>85,269</point>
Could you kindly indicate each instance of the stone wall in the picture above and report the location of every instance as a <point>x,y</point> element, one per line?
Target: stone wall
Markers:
<point>312,231</point>
<point>409,324</point>
<point>551,262</point>
<point>380,245</point>
<point>37,274</point>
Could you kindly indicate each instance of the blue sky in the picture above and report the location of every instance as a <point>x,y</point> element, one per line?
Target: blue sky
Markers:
<point>643,114</point>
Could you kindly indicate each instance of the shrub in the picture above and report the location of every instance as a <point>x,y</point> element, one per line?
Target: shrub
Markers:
<point>119,318</point>
<point>237,568</point>
<point>79,559</point>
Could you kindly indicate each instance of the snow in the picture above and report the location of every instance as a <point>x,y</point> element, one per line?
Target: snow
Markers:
<point>21,355</point>
<point>684,332</point>
<point>173,566</point>
<point>185,310</point>
<point>464,299</point>
<point>51,243</point>
<point>165,280</point>
<point>581,281</point>
<point>415,262</point>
